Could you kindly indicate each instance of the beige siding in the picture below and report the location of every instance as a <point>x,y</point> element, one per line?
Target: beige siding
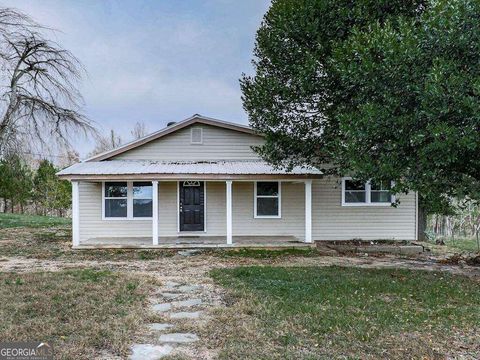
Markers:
<point>91,223</point>
<point>332,221</point>
<point>218,144</point>
<point>292,221</point>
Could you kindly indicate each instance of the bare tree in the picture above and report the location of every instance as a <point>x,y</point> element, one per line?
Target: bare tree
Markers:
<point>105,143</point>
<point>41,100</point>
<point>139,130</point>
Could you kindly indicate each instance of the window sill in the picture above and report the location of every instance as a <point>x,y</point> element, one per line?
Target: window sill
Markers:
<point>126,218</point>
<point>366,204</point>
<point>267,217</point>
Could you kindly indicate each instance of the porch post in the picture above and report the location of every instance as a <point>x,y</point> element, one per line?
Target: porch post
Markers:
<point>75,214</point>
<point>229,212</point>
<point>308,211</point>
<point>155,212</point>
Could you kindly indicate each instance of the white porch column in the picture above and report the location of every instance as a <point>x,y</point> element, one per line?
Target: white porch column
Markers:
<point>155,212</point>
<point>308,211</point>
<point>229,212</point>
<point>75,214</point>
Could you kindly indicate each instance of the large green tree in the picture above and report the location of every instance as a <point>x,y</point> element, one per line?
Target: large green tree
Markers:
<point>382,90</point>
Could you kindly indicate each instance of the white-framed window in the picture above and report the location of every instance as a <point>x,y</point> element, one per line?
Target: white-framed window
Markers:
<point>268,199</point>
<point>127,200</point>
<point>357,193</point>
<point>196,135</point>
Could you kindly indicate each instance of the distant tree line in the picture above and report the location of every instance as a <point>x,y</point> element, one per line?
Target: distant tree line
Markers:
<point>39,191</point>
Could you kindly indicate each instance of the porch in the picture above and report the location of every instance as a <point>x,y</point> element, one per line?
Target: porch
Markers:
<point>214,204</point>
<point>189,242</point>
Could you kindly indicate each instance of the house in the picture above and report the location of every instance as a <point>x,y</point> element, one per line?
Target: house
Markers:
<point>198,182</point>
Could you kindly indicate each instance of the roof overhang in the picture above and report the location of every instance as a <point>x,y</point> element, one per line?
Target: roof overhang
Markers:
<point>175,177</point>
<point>174,170</point>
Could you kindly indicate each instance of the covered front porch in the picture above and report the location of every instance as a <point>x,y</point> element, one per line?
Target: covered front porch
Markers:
<point>186,205</point>
<point>189,242</point>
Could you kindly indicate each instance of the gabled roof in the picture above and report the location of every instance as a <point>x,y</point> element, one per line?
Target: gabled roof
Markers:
<point>195,119</point>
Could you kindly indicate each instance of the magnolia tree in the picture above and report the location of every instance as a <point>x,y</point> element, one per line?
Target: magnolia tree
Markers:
<point>388,92</point>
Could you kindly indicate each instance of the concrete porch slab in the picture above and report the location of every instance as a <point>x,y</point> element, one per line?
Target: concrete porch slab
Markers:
<point>193,242</point>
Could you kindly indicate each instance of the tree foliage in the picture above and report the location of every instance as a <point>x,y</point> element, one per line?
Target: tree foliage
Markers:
<point>382,90</point>
<point>49,191</point>
<point>15,182</point>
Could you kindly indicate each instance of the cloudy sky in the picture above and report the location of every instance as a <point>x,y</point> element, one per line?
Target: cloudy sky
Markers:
<point>155,60</point>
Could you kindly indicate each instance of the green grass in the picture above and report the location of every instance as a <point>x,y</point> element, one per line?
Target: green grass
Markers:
<point>334,312</point>
<point>80,312</point>
<point>20,220</point>
<point>463,244</point>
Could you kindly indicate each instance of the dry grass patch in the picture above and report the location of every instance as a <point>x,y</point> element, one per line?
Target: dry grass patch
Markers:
<point>83,313</point>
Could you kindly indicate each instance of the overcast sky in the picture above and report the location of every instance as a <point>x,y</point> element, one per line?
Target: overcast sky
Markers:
<point>155,61</point>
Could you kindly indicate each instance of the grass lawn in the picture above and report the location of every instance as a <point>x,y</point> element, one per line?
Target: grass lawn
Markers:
<point>464,244</point>
<point>19,220</point>
<point>334,312</point>
<point>81,312</point>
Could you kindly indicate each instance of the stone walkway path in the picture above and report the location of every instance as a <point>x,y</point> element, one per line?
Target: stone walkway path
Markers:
<point>180,306</point>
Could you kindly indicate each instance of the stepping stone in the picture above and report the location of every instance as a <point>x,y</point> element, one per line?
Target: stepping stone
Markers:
<point>168,295</point>
<point>151,352</point>
<point>162,307</point>
<point>188,288</point>
<point>191,252</point>
<point>187,303</point>
<point>186,315</point>
<point>178,338</point>
<point>160,326</point>
<point>171,284</point>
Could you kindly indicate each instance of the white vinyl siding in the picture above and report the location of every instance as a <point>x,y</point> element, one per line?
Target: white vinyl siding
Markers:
<point>217,144</point>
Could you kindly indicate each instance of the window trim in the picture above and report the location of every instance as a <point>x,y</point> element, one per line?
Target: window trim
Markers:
<point>129,202</point>
<point>279,197</point>
<point>201,136</point>
<point>368,194</point>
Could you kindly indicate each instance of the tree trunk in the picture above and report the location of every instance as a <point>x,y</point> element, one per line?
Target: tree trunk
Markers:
<point>422,224</point>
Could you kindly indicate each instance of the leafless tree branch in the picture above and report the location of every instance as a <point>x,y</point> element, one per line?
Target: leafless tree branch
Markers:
<point>38,85</point>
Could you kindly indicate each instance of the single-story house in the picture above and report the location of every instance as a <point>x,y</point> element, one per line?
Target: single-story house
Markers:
<point>198,182</point>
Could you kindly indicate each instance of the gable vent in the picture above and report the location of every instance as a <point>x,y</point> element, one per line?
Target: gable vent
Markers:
<point>196,136</point>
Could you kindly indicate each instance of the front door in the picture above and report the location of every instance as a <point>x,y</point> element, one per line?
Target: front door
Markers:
<point>192,210</point>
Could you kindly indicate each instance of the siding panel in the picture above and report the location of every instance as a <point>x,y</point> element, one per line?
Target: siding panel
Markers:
<point>332,221</point>
<point>218,144</point>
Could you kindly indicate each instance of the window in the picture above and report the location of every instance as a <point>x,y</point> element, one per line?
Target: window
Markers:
<point>356,193</point>
<point>267,199</point>
<point>127,200</point>
<point>196,135</point>
<point>380,193</point>
<point>116,201</point>
<point>142,199</point>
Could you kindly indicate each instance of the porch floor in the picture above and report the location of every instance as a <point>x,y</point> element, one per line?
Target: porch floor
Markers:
<point>191,242</point>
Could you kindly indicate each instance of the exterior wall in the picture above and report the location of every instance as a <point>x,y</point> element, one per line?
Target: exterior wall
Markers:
<point>330,221</point>
<point>218,144</point>
<point>91,223</point>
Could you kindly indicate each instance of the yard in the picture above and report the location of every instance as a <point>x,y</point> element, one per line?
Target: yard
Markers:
<point>257,304</point>
<point>341,312</point>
